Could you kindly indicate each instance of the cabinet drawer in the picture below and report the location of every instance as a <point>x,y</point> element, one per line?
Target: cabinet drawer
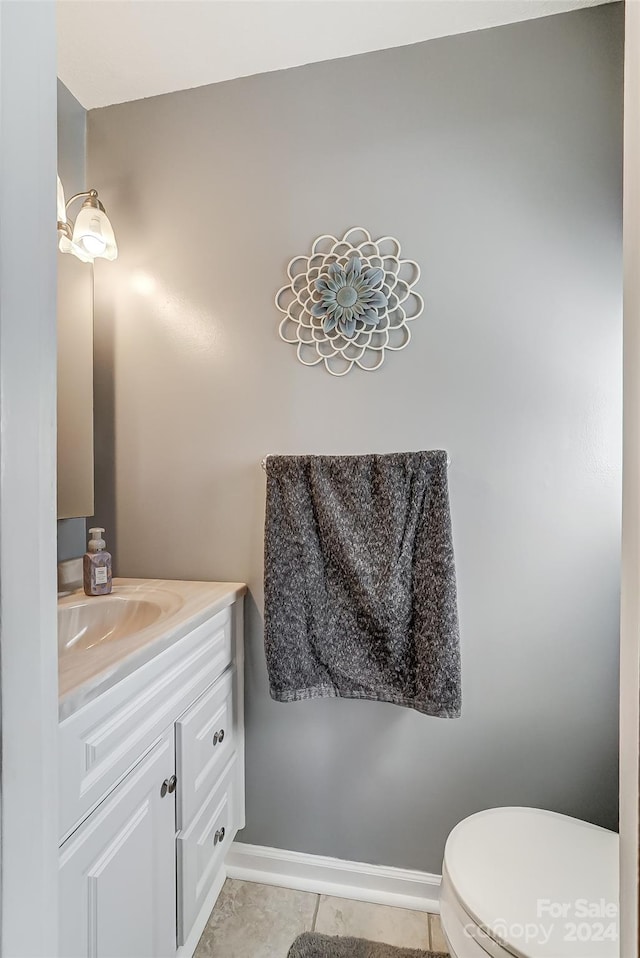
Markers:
<point>201,850</point>
<point>103,740</point>
<point>205,741</point>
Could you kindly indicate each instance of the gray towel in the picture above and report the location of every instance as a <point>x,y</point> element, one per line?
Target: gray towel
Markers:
<point>360,587</point>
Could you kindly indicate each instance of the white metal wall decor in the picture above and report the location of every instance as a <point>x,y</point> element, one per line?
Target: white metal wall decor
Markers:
<point>349,301</point>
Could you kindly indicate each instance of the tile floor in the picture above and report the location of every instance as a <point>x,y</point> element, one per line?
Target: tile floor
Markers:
<point>261,921</point>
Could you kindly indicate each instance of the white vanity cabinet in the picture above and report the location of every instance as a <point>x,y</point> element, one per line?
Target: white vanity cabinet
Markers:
<point>151,796</point>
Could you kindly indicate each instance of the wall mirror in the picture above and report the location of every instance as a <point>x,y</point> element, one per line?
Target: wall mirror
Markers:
<point>75,333</point>
<point>75,388</point>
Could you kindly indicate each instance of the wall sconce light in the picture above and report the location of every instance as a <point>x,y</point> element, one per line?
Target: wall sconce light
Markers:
<point>91,236</point>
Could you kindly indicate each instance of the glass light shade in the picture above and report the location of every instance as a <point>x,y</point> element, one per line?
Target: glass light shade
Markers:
<point>93,234</point>
<point>65,245</point>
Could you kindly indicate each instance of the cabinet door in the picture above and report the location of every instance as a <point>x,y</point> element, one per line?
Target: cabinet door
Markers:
<point>118,870</point>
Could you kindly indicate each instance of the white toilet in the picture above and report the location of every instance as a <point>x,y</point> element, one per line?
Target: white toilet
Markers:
<point>527,883</point>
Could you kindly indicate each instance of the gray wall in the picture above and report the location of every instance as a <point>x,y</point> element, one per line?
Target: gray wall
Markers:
<point>495,157</point>
<point>76,277</point>
<point>72,141</point>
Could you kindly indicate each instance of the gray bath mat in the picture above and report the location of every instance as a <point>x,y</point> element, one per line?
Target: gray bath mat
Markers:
<point>312,945</point>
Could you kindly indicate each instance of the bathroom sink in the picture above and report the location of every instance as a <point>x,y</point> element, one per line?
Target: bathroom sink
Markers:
<point>104,639</point>
<point>86,622</point>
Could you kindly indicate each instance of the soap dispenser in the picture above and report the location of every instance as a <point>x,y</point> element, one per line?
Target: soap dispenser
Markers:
<point>97,565</point>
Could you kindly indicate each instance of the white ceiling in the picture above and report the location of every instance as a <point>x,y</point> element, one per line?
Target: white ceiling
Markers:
<point>110,51</point>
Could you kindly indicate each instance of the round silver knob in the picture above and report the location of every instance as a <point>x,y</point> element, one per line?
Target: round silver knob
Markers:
<point>173,781</point>
<point>164,788</point>
<point>219,836</point>
<point>218,737</point>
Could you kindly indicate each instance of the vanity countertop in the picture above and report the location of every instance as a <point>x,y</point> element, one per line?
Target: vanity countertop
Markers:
<point>84,673</point>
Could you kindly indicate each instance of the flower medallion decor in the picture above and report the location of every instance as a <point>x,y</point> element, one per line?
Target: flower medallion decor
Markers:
<point>349,301</point>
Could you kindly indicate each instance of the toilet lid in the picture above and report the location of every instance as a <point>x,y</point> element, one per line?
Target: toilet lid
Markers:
<point>543,885</point>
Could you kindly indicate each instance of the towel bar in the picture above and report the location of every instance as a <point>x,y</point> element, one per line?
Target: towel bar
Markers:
<point>263,462</point>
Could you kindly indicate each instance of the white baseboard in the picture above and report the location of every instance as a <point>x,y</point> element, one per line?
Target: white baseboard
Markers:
<point>383,885</point>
